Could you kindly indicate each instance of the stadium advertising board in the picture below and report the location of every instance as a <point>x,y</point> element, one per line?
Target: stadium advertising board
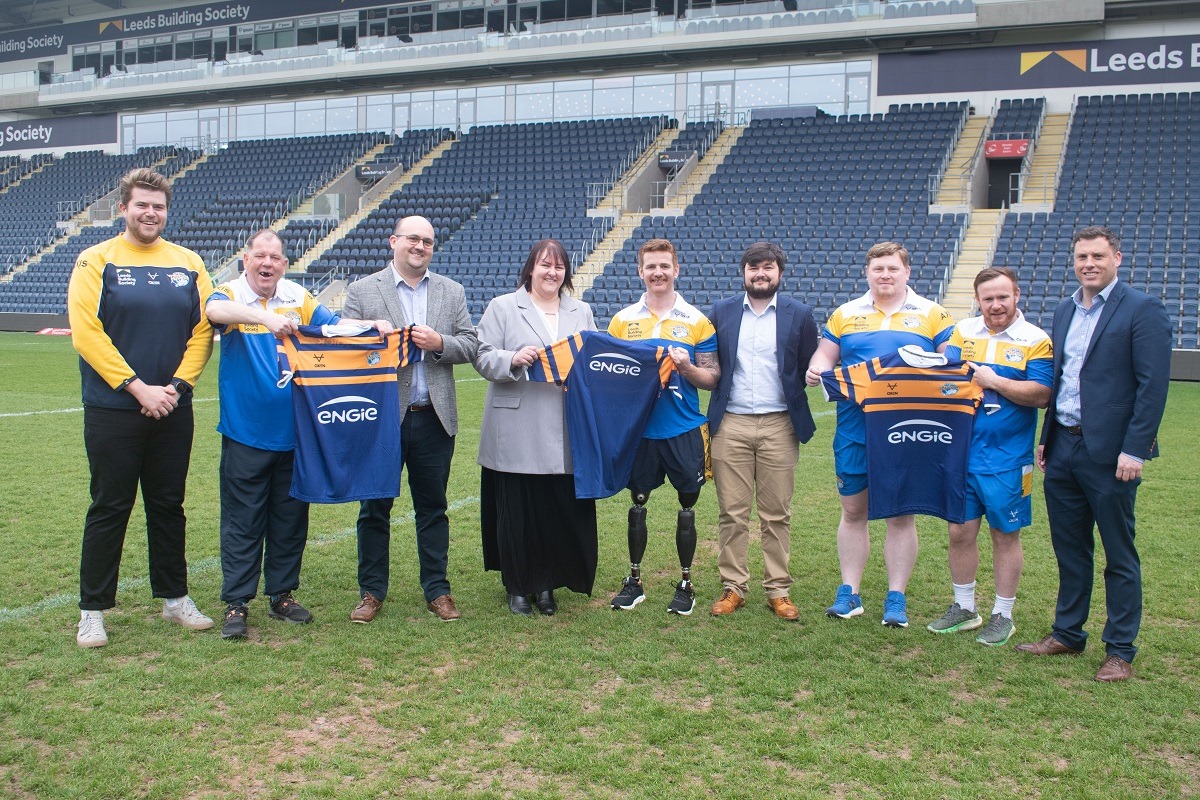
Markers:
<point>43,134</point>
<point>1159,59</point>
<point>54,40</point>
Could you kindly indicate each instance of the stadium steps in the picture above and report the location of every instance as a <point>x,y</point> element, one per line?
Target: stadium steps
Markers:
<point>978,245</point>
<point>613,202</point>
<point>957,180</point>
<point>348,224</point>
<point>307,207</point>
<point>1040,189</point>
<point>33,172</point>
<point>712,160</point>
<point>613,243</point>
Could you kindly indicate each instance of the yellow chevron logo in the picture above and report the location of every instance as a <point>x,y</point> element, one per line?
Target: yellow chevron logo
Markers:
<point>117,24</point>
<point>1076,58</point>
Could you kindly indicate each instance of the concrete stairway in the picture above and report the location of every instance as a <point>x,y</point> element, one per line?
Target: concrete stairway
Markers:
<point>956,182</point>
<point>977,248</point>
<point>1047,155</point>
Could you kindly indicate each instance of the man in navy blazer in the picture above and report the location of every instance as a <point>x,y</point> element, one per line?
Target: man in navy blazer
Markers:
<point>1112,358</point>
<point>757,416</point>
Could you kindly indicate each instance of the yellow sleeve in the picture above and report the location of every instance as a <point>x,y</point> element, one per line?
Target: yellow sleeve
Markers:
<point>200,345</point>
<point>616,327</point>
<point>88,336</point>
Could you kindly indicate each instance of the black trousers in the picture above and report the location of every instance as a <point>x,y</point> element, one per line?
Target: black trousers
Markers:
<point>258,514</point>
<point>125,449</point>
<point>425,454</point>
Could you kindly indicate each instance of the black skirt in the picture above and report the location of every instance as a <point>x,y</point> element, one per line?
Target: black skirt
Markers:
<point>537,533</point>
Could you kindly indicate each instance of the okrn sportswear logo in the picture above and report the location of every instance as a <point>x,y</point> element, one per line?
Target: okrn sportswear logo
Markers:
<point>925,431</point>
<point>615,363</point>
<point>347,408</point>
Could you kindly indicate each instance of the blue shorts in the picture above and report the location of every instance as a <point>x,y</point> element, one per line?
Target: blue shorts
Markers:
<point>1006,498</point>
<point>850,466</point>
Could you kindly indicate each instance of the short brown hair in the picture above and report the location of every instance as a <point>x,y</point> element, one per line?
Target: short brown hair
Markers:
<point>146,179</point>
<point>658,246</point>
<point>889,249</point>
<point>525,279</point>
<point>759,252</point>
<point>1098,232</point>
<point>991,273</point>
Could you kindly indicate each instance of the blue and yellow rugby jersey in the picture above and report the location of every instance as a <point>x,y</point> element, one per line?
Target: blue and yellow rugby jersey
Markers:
<point>346,404</point>
<point>863,332</point>
<point>612,386</point>
<point>255,410</point>
<point>1004,440</point>
<point>678,409</point>
<point>919,409</point>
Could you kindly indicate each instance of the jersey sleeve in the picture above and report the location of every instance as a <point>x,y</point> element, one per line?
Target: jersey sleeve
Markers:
<point>832,329</point>
<point>953,351</point>
<point>88,336</point>
<point>554,362</point>
<point>1040,366</point>
<point>616,327</point>
<point>942,325</point>
<point>200,345</point>
<point>313,313</point>
<point>838,384</point>
<point>705,336</point>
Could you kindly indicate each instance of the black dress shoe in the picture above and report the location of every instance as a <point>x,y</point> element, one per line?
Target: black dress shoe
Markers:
<point>546,604</point>
<point>519,604</point>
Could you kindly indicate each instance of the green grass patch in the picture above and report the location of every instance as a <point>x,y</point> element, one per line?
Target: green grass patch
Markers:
<point>590,703</point>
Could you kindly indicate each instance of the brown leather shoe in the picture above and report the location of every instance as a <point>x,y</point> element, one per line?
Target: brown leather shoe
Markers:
<point>784,608</point>
<point>444,607</point>
<point>366,609</point>
<point>1113,669</point>
<point>1047,646</point>
<point>729,602</point>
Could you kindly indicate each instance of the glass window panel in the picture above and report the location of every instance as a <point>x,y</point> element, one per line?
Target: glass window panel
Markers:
<point>251,126</point>
<point>306,36</point>
<point>280,123</point>
<point>449,20</point>
<point>757,73</point>
<point>151,131</point>
<point>572,105</point>
<point>858,89</point>
<point>182,125</point>
<point>422,113</point>
<point>327,33</point>
<point>489,110</point>
<point>535,106</point>
<point>654,99</point>
<point>184,49</point>
<point>285,38</point>
<point>553,10</point>
<point>826,91</point>
<point>445,113</point>
<point>634,6</point>
<point>379,118</point>
<point>607,7</point>
<point>202,49</point>
<point>310,120</point>
<point>762,92</point>
<point>615,102</point>
<point>579,9</point>
<point>472,18</point>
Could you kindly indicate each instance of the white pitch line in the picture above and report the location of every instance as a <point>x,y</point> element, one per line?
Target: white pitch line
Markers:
<point>201,567</point>
<point>77,410</point>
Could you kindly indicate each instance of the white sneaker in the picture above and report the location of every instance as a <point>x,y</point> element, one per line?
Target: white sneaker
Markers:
<point>91,629</point>
<point>184,612</point>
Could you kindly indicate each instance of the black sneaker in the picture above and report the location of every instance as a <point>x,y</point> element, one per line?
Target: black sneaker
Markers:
<point>234,626</point>
<point>630,595</point>
<point>684,600</point>
<point>284,606</point>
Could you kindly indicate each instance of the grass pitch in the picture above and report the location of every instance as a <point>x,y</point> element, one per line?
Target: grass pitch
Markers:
<point>591,703</point>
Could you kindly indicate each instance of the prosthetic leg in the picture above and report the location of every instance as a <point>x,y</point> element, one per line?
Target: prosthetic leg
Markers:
<point>631,592</point>
<point>685,543</point>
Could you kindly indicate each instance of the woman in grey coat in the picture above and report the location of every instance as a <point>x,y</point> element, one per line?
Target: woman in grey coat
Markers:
<point>535,531</point>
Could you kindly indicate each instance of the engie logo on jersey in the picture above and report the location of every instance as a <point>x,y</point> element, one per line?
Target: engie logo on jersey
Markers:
<point>924,431</point>
<point>347,408</point>
<point>616,363</point>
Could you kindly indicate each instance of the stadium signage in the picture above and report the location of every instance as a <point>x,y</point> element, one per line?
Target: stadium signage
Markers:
<point>1006,148</point>
<point>1113,62</point>
<point>187,18</point>
<point>61,132</point>
<point>374,172</point>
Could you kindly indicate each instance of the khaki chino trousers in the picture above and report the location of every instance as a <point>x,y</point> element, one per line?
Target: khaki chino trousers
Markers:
<point>754,463</point>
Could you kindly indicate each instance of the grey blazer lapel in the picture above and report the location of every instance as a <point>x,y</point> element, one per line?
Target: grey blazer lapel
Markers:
<point>571,317</point>
<point>532,317</point>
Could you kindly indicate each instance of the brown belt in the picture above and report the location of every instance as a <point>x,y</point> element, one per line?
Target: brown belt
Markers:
<point>425,407</point>
<point>1074,430</point>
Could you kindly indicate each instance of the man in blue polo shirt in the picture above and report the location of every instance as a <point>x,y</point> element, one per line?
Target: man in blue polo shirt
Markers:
<point>258,434</point>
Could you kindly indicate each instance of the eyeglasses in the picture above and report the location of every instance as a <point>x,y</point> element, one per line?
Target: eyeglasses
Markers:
<point>415,240</point>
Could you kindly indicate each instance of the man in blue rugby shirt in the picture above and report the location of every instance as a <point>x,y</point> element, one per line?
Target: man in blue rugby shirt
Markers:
<point>1013,358</point>
<point>258,434</point>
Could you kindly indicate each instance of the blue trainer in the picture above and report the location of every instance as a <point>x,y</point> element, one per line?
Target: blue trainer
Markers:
<point>895,610</point>
<point>847,604</point>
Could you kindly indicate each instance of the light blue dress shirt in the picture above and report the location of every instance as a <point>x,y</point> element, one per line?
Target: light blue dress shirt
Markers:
<point>415,302</point>
<point>757,388</point>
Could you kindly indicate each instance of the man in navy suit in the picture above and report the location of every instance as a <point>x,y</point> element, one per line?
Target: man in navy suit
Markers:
<point>757,415</point>
<point>1112,358</point>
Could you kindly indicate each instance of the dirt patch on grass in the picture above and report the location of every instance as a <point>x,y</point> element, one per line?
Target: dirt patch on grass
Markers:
<point>1186,765</point>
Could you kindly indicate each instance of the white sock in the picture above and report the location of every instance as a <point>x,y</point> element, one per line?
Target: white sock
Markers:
<point>964,595</point>
<point>91,614</point>
<point>1004,606</point>
<point>174,601</point>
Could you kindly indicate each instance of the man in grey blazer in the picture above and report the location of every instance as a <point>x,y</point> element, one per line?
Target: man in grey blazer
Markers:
<point>407,293</point>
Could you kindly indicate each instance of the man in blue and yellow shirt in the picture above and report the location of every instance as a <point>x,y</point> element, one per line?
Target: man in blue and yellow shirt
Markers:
<point>258,437</point>
<point>889,316</point>
<point>674,443</point>
<point>1014,358</point>
<point>136,305</point>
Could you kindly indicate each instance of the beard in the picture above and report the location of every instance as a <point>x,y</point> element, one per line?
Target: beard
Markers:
<point>759,291</point>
